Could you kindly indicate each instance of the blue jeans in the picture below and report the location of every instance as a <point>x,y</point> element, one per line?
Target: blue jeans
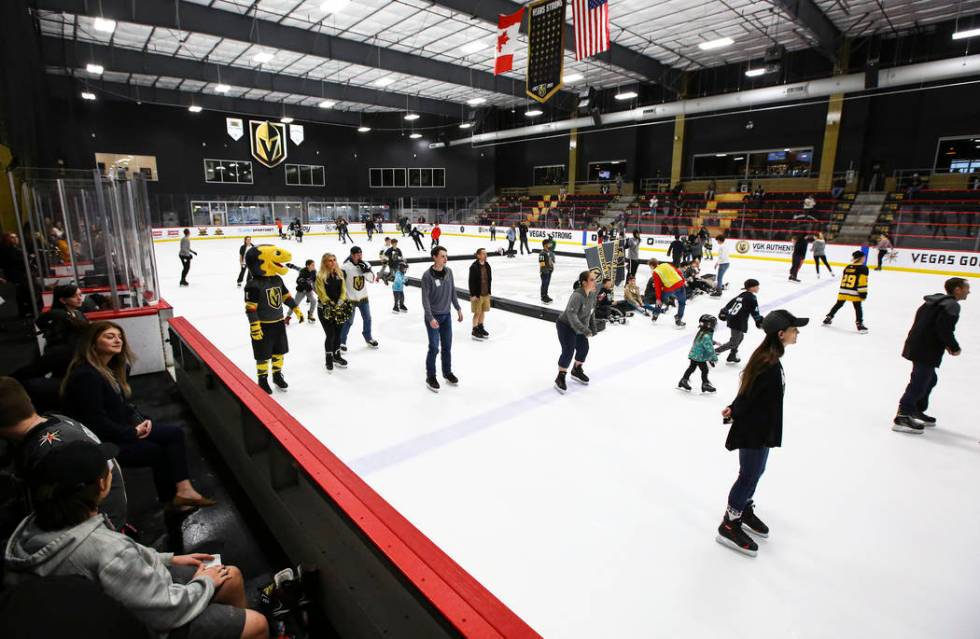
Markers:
<point>365,309</point>
<point>916,397</point>
<point>681,296</point>
<point>545,283</point>
<point>571,343</point>
<point>442,336</point>
<point>721,275</point>
<point>751,465</point>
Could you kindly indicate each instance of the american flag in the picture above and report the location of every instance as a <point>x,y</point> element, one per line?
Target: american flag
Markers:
<point>591,18</point>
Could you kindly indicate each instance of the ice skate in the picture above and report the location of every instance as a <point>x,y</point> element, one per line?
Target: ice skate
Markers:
<point>827,321</point>
<point>339,360</point>
<point>752,524</point>
<point>483,331</point>
<point>373,343</point>
<point>329,362</point>
<point>907,424</point>
<point>279,381</point>
<point>679,323</point>
<point>926,420</point>
<point>264,384</point>
<point>861,328</point>
<point>477,335</point>
<point>560,385</point>
<point>684,384</point>
<point>730,534</point>
<point>579,375</point>
<point>706,387</point>
<point>732,359</point>
<point>432,384</point>
<point>451,379</point>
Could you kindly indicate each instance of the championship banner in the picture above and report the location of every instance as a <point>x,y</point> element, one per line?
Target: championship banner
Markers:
<point>296,133</point>
<point>607,260</point>
<point>235,128</point>
<point>268,141</point>
<point>545,48</point>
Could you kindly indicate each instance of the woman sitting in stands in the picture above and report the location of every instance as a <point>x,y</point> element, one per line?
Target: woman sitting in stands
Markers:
<point>96,393</point>
<point>63,326</point>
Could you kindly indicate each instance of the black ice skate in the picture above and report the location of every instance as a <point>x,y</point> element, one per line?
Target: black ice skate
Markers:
<point>579,375</point>
<point>560,385</point>
<point>706,387</point>
<point>432,384</point>
<point>927,420</point>
<point>373,343</point>
<point>827,321</point>
<point>339,360</point>
<point>907,424</point>
<point>752,524</point>
<point>329,362</point>
<point>684,384</point>
<point>679,323</point>
<point>477,335</point>
<point>862,329</point>
<point>343,347</point>
<point>264,384</point>
<point>451,379</point>
<point>483,331</point>
<point>730,534</point>
<point>395,310</point>
<point>732,359</point>
<point>279,381</point>
<point>403,308</point>
<point>546,300</point>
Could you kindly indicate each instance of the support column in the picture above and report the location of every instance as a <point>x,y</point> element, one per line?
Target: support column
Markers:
<point>572,159</point>
<point>677,160</point>
<point>831,133</point>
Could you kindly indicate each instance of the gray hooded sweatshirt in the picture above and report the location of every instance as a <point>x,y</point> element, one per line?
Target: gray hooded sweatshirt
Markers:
<point>134,575</point>
<point>580,311</point>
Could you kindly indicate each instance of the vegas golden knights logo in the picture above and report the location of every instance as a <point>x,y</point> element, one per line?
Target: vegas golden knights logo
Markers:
<point>274,296</point>
<point>268,142</point>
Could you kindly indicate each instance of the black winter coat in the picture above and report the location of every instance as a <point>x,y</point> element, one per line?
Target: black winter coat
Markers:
<point>932,331</point>
<point>757,415</point>
<point>474,279</point>
<point>92,400</point>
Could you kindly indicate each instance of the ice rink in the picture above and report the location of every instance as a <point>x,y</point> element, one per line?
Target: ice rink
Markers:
<point>593,514</point>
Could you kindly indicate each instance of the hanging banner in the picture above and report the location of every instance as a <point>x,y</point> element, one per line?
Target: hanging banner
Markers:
<point>545,48</point>
<point>235,128</point>
<point>607,260</point>
<point>268,141</point>
<point>296,133</point>
<point>508,27</point>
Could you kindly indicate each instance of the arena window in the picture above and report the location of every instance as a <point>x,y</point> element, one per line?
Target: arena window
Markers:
<point>228,171</point>
<point>305,175</point>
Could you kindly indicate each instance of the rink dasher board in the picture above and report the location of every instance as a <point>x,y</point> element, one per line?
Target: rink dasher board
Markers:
<point>928,261</point>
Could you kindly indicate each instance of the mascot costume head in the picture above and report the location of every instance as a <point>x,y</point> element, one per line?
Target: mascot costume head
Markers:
<point>266,260</point>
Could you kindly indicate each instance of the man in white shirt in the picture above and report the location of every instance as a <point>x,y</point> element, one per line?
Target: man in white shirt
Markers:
<point>722,265</point>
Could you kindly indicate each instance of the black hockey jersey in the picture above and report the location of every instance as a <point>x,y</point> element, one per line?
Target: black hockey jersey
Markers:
<point>264,299</point>
<point>853,283</point>
<point>736,313</point>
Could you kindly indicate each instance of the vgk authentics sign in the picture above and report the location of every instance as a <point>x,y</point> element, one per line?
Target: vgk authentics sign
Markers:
<point>545,48</point>
<point>268,141</point>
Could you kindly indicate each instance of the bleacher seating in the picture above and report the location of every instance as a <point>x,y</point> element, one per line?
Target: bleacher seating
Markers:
<point>548,210</point>
<point>932,218</point>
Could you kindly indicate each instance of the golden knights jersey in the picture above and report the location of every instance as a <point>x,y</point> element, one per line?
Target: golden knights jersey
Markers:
<point>853,283</point>
<point>265,297</point>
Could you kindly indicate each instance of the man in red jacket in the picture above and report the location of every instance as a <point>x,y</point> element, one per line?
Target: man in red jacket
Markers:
<point>666,282</point>
<point>436,233</point>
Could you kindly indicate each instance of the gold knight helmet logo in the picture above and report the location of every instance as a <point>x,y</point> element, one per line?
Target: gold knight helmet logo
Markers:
<point>268,142</point>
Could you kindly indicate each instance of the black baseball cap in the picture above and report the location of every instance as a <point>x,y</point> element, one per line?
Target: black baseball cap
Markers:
<point>355,249</point>
<point>749,283</point>
<point>780,320</point>
<point>72,466</point>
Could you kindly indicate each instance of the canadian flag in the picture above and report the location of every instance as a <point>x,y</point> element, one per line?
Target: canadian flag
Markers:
<point>507,28</point>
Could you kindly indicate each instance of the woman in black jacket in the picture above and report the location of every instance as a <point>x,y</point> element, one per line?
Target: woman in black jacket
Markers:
<point>756,416</point>
<point>95,392</point>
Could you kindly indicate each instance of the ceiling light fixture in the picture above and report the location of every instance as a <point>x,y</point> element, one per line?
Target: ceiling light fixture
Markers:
<point>262,57</point>
<point>412,116</point>
<point>969,33</point>
<point>533,113</point>
<point>415,136</point>
<point>88,95</point>
<point>95,69</point>
<point>475,101</point>
<point>286,119</point>
<point>326,104</point>
<point>720,43</point>
<point>473,47</point>
<point>383,82</point>
<point>194,108</point>
<point>466,125</point>
<point>333,6</point>
<point>222,88</point>
<point>363,129</point>
<point>627,95</point>
<point>105,25</point>
<point>755,73</point>
<point>573,77</point>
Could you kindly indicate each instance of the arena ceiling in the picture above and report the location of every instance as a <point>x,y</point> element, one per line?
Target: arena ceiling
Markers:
<point>366,56</point>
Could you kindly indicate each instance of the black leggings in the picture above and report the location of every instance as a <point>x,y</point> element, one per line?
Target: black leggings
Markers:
<point>524,245</point>
<point>164,451</point>
<point>186,261</point>
<point>881,255</point>
<point>702,365</point>
<point>816,260</point>
<point>331,334</point>
<point>418,243</point>
<point>858,311</point>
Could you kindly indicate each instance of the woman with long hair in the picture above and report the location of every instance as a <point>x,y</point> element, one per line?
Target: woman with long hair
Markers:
<point>756,418</point>
<point>96,392</point>
<point>62,326</point>
<point>333,308</point>
<point>820,253</point>
<point>242,250</point>
<point>575,326</point>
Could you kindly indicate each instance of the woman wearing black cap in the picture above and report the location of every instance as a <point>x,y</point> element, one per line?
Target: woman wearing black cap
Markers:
<point>756,416</point>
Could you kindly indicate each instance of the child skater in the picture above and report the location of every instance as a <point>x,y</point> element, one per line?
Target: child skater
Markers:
<point>398,288</point>
<point>386,271</point>
<point>736,314</point>
<point>853,288</point>
<point>702,352</point>
<point>305,282</point>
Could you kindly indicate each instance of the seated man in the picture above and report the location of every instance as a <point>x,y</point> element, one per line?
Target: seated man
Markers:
<point>695,283</point>
<point>66,535</point>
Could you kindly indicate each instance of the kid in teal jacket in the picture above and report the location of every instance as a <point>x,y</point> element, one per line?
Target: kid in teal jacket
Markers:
<point>702,353</point>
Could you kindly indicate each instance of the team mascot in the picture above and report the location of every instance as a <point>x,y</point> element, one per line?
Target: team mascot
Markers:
<point>264,296</point>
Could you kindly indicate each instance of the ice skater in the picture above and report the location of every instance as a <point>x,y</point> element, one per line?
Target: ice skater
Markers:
<point>756,417</point>
<point>435,233</point>
<point>799,255</point>
<point>299,231</point>
<point>666,282</point>
<point>242,269</point>
<point>853,288</point>
<point>186,255</point>
<point>480,278</point>
<point>884,245</point>
<point>546,267</point>
<point>438,293</point>
<point>702,353</point>
<point>511,238</point>
<point>493,231</point>
<point>305,281</point>
<point>736,315</point>
<point>522,232</point>
<point>416,235</point>
<point>398,288</point>
<point>633,252</point>
<point>820,254</point>
<point>932,334</point>
<point>342,233</point>
<point>333,308</point>
<point>358,275</point>
<point>724,261</point>
<point>575,326</point>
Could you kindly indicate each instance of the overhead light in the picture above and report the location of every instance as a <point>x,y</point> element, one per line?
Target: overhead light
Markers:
<point>286,119</point>
<point>194,108</point>
<point>222,88</point>
<point>741,157</point>
<point>466,125</point>
<point>573,77</point>
<point>473,47</point>
<point>95,69</point>
<point>627,95</point>
<point>363,129</point>
<point>415,136</point>
<point>104,24</point>
<point>755,73</point>
<point>475,101</point>
<point>333,6</point>
<point>262,57</point>
<point>88,95</point>
<point>970,33</point>
<point>720,43</point>
<point>412,116</point>
<point>383,82</point>
<point>533,113</point>
<point>721,155</point>
<point>326,104</point>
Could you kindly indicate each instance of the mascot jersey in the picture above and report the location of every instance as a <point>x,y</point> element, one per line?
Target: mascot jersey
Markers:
<point>264,298</point>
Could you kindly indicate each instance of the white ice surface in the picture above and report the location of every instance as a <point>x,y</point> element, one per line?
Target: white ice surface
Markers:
<point>593,514</point>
